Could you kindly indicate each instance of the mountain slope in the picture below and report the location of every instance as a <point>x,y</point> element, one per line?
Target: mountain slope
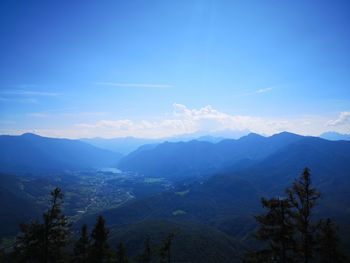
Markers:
<point>192,242</point>
<point>196,158</point>
<point>212,202</point>
<point>329,162</point>
<point>16,206</point>
<point>34,153</point>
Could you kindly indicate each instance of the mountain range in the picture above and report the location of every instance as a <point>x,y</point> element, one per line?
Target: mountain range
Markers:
<point>232,176</point>
<point>196,158</point>
<point>216,186</point>
<point>126,145</point>
<point>33,153</point>
<point>335,136</point>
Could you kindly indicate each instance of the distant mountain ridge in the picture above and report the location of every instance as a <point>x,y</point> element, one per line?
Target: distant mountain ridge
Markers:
<point>335,136</point>
<point>33,153</point>
<point>197,157</point>
<point>122,145</point>
<point>126,145</point>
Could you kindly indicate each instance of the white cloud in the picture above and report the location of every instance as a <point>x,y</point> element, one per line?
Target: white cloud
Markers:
<point>133,85</point>
<point>182,120</point>
<point>343,118</point>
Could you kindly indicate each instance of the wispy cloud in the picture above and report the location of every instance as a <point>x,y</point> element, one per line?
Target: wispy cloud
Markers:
<point>38,115</point>
<point>24,86</point>
<point>20,100</point>
<point>30,93</point>
<point>133,85</point>
<point>259,91</point>
<point>264,90</point>
<point>56,113</point>
<point>343,118</point>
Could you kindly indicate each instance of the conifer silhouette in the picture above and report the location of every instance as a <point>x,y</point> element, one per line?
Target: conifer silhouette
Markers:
<point>44,242</point>
<point>303,197</point>
<point>81,247</point>
<point>121,254</point>
<point>328,241</point>
<point>99,249</point>
<point>276,227</point>
<point>165,249</point>
<point>146,255</point>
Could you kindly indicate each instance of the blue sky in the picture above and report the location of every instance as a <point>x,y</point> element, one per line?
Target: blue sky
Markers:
<point>159,68</point>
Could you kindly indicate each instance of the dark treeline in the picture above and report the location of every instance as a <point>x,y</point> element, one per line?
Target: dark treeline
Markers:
<point>287,231</point>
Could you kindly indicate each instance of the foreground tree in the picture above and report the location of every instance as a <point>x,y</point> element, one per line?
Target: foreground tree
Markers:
<point>275,228</point>
<point>28,244</point>
<point>328,241</point>
<point>165,249</point>
<point>99,249</point>
<point>146,255</point>
<point>303,197</point>
<point>2,252</point>
<point>121,254</point>
<point>81,247</point>
<point>289,230</point>
<point>44,242</point>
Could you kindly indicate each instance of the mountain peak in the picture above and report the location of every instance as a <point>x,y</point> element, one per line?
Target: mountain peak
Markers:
<point>286,134</point>
<point>252,135</point>
<point>30,135</point>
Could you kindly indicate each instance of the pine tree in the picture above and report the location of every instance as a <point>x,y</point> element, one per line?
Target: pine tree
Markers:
<point>44,242</point>
<point>146,255</point>
<point>276,229</point>
<point>55,228</point>
<point>303,198</point>
<point>28,244</point>
<point>2,252</point>
<point>299,234</point>
<point>99,249</point>
<point>165,249</point>
<point>121,254</point>
<point>328,241</point>
<point>81,248</point>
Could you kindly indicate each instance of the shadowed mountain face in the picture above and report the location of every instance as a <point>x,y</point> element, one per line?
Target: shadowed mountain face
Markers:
<point>197,158</point>
<point>16,206</point>
<point>32,153</point>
